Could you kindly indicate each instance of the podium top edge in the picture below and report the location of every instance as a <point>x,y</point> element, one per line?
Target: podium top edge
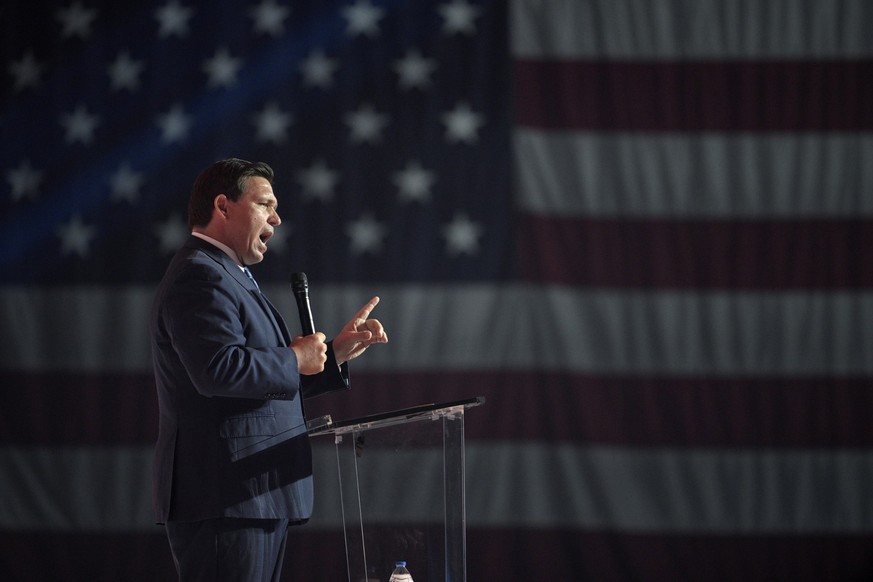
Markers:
<point>400,414</point>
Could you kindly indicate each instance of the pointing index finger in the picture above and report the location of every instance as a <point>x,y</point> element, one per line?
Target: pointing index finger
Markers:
<point>366,309</point>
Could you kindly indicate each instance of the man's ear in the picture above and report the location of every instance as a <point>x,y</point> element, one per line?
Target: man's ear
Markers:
<point>220,204</point>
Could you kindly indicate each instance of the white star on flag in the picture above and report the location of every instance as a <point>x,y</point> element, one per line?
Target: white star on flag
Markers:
<point>174,124</point>
<point>125,184</point>
<point>414,70</point>
<point>27,72</point>
<point>414,183</point>
<point>222,69</point>
<point>173,19</point>
<point>462,235</point>
<point>24,181</point>
<point>458,17</point>
<point>171,234</point>
<point>269,17</point>
<point>272,124</point>
<point>76,237</point>
<point>366,124</point>
<point>124,72</point>
<point>363,18</point>
<point>366,235</point>
<point>318,70</point>
<point>318,181</point>
<point>76,20</point>
<point>80,125</point>
<point>462,124</point>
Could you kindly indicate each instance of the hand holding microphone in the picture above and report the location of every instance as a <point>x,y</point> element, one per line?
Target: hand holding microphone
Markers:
<point>310,348</point>
<point>311,352</point>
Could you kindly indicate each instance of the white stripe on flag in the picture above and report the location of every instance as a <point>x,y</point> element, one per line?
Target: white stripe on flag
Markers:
<point>708,175</point>
<point>509,484</point>
<point>489,327</point>
<point>683,30</point>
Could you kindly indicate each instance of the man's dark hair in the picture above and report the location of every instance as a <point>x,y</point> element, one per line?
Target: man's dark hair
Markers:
<point>228,177</point>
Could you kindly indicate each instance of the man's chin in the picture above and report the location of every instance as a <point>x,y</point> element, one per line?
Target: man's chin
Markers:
<point>254,257</point>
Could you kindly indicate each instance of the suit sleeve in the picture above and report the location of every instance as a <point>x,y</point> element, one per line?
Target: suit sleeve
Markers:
<point>333,377</point>
<point>223,341</point>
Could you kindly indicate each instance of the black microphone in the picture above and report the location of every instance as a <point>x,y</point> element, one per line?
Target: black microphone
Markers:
<point>300,288</point>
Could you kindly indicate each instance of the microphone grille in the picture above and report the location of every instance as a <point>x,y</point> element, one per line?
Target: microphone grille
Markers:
<point>299,282</point>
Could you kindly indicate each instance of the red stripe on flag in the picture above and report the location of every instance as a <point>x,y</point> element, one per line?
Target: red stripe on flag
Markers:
<point>695,96</point>
<point>82,556</point>
<point>78,409</point>
<point>145,557</point>
<point>697,254</point>
<point>492,554</point>
<point>573,555</point>
<point>634,411</point>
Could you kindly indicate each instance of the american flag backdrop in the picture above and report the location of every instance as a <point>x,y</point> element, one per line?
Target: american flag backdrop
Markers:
<point>642,229</point>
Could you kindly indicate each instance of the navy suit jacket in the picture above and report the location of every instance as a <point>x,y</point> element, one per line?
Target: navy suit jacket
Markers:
<point>232,438</point>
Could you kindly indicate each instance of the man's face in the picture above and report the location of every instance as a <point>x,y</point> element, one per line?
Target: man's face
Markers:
<point>251,219</point>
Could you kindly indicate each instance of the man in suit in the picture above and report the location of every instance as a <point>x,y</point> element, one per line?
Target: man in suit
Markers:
<point>232,465</point>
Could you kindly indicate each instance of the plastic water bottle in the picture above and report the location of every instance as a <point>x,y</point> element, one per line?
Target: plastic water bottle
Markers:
<point>400,573</point>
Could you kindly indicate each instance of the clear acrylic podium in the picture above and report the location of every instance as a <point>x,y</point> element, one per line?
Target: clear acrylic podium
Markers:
<point>401,490</point>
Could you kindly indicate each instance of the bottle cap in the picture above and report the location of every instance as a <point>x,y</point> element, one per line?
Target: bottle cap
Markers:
<point>400,563</point>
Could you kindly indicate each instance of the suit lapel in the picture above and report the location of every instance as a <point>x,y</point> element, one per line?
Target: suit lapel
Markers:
<point>268,311</point>
<point>277,317</point>
<point>240,277</point>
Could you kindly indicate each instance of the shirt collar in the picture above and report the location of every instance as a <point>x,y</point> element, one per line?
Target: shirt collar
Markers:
<point>226,249</point>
